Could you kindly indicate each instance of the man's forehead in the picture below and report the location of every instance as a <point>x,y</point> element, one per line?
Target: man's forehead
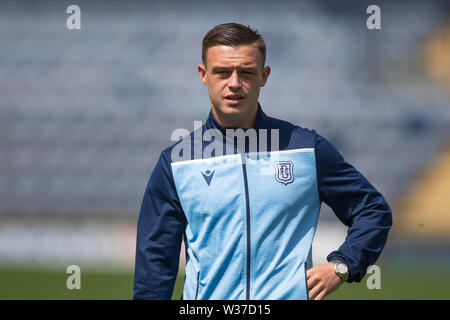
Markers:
<point>245,55</point>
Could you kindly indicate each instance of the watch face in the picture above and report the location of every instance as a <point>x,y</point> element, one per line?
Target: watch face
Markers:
<point>342,268</point>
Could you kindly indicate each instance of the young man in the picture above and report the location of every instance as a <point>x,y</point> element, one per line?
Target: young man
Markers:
<point>249,212</point>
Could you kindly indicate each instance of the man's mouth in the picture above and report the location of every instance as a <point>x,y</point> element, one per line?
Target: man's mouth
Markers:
<point>233,99</point>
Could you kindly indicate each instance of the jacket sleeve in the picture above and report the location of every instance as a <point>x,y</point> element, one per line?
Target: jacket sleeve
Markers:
<point>159,233</point>
<point>357,204</point>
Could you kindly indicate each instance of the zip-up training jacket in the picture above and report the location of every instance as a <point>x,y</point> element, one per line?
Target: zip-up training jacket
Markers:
<point>248,218</point>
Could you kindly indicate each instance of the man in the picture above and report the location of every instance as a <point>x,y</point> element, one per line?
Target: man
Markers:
<point>249,216</point>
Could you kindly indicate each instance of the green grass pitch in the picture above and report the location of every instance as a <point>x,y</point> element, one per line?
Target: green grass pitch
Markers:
<point>41,284</point>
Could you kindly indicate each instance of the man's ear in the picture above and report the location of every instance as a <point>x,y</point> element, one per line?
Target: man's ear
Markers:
<point>265,75</point>
<point>201,69</point>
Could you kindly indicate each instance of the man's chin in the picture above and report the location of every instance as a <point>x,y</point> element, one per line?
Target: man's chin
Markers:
<point>232,116</point>
<point>232,109</point>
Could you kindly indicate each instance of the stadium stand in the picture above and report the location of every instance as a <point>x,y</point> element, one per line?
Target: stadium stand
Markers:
<point>85,113</point>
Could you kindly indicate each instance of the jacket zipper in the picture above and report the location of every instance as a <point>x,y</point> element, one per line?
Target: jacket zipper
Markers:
<point>198,284</point>
<point>247,205</point>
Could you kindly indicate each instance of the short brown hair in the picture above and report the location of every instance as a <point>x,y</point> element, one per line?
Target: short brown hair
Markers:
<point>233,34</point>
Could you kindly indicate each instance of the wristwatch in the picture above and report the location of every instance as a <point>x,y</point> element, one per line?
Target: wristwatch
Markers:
<point>341,269</point>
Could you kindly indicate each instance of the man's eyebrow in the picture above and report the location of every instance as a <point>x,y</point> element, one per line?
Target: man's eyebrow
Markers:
<point>217,68</point>
<point>248,68</point>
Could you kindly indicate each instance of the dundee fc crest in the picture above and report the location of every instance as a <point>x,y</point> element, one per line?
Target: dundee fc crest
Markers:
<point>284,171</point>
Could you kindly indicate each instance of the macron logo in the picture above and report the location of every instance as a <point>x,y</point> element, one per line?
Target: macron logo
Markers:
<point>208,175</point>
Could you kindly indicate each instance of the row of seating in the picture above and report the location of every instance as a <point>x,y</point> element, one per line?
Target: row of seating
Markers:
<point>85,114</point>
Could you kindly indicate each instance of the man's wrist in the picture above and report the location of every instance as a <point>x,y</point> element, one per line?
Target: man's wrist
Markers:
<point>341,269</point>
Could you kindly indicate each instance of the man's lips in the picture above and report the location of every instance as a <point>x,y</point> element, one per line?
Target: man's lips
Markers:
<point>233,98</point>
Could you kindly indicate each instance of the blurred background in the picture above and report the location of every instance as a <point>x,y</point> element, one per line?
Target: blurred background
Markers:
<point>84,115</point>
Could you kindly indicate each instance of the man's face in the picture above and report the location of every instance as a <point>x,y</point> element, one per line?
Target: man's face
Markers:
<point>234,76</point>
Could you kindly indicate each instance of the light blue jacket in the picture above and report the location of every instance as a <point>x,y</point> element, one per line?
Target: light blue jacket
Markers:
<point>249,221</point>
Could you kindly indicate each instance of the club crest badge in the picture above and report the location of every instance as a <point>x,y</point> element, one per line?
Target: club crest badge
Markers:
<point>284,171</point>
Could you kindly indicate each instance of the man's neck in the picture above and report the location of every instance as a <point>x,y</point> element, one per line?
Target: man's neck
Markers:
<point>236,121</point>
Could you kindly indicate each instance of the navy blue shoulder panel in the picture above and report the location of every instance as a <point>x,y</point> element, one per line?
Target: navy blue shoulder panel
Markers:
<point>291,136</point>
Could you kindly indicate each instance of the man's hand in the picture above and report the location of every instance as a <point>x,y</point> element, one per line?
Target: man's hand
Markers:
<point>321,281</point>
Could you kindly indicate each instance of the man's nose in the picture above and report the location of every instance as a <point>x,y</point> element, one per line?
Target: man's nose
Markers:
<point>234,80</point>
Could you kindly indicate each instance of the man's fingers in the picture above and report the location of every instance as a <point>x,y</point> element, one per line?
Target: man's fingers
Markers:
<point>311,282</point>
<point>308,274</point>
<point>320,295</point>
<point>314,289</point>
<point>312,294</point>
<point>317,293</point>
<point>320,281</point>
